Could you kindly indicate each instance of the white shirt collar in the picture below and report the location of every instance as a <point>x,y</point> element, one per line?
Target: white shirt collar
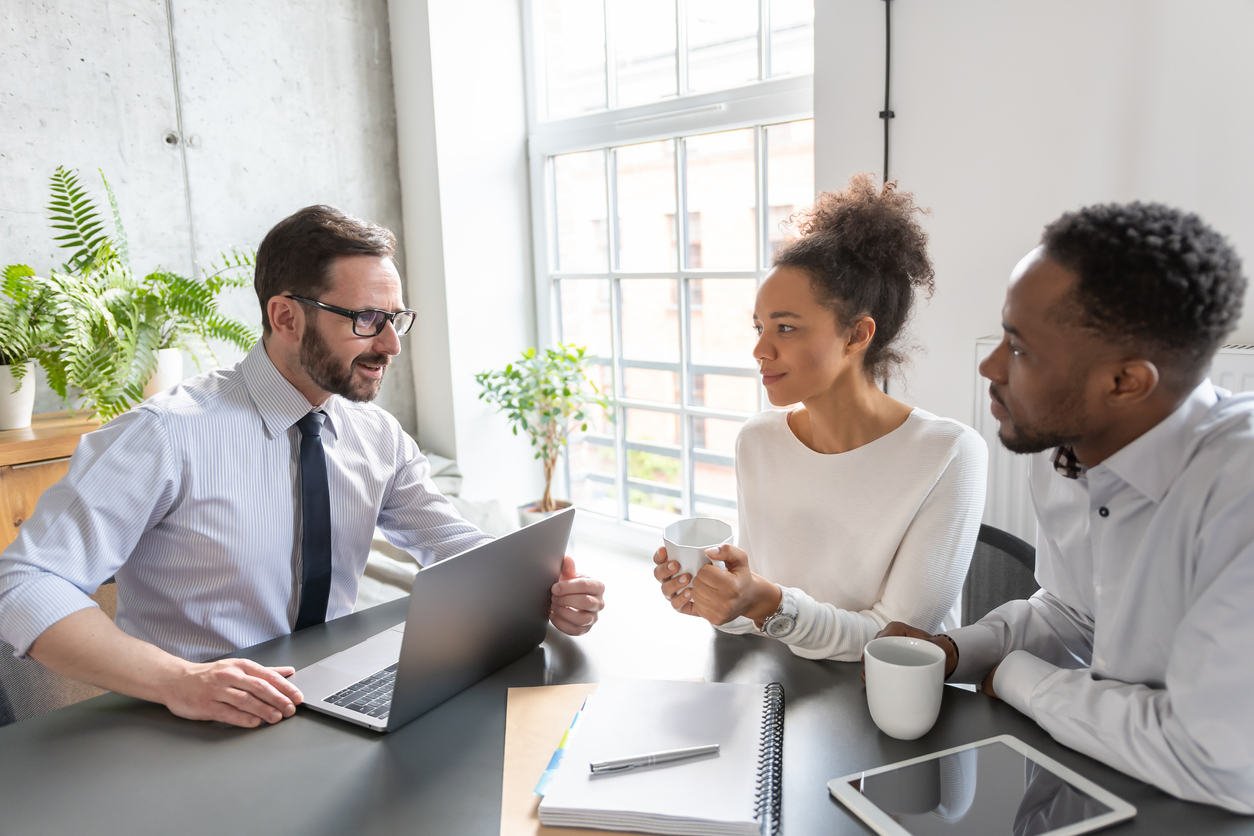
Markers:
<point>278,402</point>
<point>1151,462</point>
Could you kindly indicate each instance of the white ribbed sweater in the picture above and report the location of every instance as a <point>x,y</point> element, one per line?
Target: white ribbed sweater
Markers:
<point>881,533</point>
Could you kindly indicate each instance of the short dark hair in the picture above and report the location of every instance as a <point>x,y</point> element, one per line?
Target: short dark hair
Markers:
<point>866,253</point>
<point>1155,277</point>
<point>296,255</point>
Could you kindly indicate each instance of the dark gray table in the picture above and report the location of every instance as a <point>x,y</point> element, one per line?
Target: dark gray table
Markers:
<point>118,765</point>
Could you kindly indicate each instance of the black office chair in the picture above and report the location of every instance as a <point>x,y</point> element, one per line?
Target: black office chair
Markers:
<point>1002,569</point>
<point>28,689</point>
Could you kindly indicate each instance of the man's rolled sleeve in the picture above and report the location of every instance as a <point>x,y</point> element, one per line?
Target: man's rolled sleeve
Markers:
<point>85,526</point>
<point>35,604</point>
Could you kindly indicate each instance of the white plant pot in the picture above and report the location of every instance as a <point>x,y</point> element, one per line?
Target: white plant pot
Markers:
<point>527,514</point>
<point>169,372</point>
<point>16,407</point>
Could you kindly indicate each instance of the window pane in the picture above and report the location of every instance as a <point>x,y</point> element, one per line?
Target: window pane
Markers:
<point>653,509</point>
<point>644,50</point>
<point>715,435</point>
<point>650,310</point>
<point>653,467</point>
<point>789,177</point>
<point>659,467</point>
<point>586,315</point>
<point>599,420</point>
<point>718,512</point>
<point>721,328</point>
<point>651,385</point>
<point>722,43</point>
<point>651,427</point>
<point>574,57</point>
<point>721,194</point>
<point>716,481</point>
<point>592,476</point>
<point>792,37</point>
<point>721,391</point>
<point>646,207</point>
<point>582,234</point>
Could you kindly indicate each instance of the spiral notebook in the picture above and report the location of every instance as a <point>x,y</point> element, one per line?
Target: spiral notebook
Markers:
<point>736,791</point>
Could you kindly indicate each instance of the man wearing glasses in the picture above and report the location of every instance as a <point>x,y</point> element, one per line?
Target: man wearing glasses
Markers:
<point>240,506</point>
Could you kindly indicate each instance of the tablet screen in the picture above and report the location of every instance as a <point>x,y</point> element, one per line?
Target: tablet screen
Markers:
<point>988,790</point>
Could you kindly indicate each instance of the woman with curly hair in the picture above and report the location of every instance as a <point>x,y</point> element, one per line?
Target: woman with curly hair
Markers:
<point>855,509</point>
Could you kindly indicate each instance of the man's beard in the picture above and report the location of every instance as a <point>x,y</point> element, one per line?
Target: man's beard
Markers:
<point>324,370</point>
<point>1035,439</point>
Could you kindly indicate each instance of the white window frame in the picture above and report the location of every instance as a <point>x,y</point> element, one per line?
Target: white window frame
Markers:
<point>754,105</point>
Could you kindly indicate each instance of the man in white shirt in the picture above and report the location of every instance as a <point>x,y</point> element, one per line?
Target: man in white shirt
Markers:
<point>241,505</point>
<point>1136,650</point>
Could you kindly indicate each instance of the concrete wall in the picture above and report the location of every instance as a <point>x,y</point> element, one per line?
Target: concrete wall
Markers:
<point>281,104</point>
<point>1009,114</point>
<point>463,152</point>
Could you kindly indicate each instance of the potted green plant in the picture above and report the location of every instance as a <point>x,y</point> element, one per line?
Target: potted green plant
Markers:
<point>27,329</point>
<point>117,329</point>
<point>545,395</point>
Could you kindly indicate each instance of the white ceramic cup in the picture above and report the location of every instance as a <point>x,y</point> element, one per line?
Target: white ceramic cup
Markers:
<point>905,679</point>
<point>687,540</point>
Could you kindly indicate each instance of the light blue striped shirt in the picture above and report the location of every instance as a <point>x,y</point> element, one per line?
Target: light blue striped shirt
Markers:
<point>192,500</point>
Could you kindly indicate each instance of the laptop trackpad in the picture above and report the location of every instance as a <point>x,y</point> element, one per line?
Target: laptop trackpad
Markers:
<point>372,655</point>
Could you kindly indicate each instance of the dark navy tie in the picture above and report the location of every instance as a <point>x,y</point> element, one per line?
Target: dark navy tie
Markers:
<point>315,508</point>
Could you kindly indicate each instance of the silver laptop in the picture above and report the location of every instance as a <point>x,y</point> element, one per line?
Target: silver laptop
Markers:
<point>469,616</point>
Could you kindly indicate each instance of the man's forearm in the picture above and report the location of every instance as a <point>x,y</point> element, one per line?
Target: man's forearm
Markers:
<point>1041,625</point>
<point>89,647</point>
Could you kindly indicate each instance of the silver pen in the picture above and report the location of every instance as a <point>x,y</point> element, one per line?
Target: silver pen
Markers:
<point>651,759</point>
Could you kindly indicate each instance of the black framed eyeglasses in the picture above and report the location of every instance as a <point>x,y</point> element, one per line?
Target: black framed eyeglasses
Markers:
<point>368,322</point>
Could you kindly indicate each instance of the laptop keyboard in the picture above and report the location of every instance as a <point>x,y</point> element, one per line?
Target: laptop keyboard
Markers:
<point>371,696</point>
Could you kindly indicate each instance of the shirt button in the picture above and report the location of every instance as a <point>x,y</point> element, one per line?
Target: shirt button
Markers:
<point>1104,511</point>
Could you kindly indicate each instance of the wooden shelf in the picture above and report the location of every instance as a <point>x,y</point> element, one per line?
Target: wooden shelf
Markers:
<point>53,435</point>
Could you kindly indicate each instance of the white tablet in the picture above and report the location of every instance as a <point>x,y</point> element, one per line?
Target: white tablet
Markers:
<point>995,787</point>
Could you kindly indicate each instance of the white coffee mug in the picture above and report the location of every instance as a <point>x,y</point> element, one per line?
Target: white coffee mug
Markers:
<point>905,679</point>
<point>687,540</point>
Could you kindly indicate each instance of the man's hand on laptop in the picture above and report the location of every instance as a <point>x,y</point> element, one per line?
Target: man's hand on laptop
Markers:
<point>576,600</point>
<point>236,691</point>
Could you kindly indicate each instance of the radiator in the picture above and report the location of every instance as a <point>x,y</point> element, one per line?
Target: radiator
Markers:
<point>1008,506</point>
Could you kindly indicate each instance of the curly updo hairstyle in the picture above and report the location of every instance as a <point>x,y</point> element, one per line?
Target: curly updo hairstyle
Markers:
<point>866,254</point>
<point>1154,277</point>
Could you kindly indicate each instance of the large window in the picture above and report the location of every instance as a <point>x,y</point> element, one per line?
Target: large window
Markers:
<point>669,143</point>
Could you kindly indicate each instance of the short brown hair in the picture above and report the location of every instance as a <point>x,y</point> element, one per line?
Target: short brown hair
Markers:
<point>297,254</point>
<point>866,254</point>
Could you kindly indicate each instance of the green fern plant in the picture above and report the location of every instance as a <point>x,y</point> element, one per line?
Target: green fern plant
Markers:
<point>28,326</point>
<point>105,322</point>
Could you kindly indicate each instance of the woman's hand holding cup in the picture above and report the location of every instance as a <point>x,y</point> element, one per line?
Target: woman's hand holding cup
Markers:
<point>674,582</point>
<point>684,555</point>
<point>718,593</point>
<point>723,594</point>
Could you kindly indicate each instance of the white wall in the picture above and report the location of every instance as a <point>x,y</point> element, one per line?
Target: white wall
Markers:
<point>461,126</point>
<point>287,103</point>
<point>1008,114</point>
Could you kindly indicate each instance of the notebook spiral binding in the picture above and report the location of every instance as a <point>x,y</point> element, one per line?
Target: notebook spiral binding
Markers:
<point>770,787</point>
